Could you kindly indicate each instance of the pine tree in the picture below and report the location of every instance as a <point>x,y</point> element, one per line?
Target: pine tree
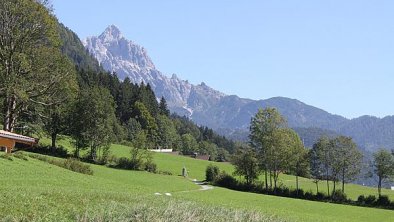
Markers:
<point>163,108</point>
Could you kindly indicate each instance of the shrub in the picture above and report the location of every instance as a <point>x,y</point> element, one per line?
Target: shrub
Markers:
<point>361,200</point>
<point>297,194</point>
<point>321,196</point>
<point>6,156</point>
<point>77,166</point>
<point>211,173</point>
<point>20,155</point>
<point>370,200</point>
<point>150,166</point>
<point>48,150</point>
<point>69,164</point>
<point>225,180</point>
<point>309,196</point>
<point>123,163</point>
<point>383,201</point>
<point>338,196</point>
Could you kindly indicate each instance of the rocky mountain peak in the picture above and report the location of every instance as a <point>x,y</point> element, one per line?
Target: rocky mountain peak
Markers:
<point>111,33</point>
<point>128,59</point>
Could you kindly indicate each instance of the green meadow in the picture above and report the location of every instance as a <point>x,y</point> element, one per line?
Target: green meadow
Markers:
<point>33,190</point>
<point>196,170</point>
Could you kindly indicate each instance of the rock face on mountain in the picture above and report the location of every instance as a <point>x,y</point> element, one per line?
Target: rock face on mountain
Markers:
<point>228,114</point>
<point>129,60</point>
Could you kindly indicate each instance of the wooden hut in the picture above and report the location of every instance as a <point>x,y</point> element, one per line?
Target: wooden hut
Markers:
<point>8,140</point>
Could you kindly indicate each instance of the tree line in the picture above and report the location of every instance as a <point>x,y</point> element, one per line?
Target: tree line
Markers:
<point>275,149</point>
<point>48,84</point>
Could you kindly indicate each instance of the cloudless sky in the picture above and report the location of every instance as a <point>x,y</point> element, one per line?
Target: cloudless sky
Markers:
<point>337,55</point>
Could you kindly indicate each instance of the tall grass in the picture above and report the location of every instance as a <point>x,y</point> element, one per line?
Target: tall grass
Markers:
<point>162,209</point>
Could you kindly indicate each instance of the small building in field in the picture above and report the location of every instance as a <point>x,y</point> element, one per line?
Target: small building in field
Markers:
<point>162,150</point>
<point>8,140</point>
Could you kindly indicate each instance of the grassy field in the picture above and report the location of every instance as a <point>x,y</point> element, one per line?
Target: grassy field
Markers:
<point>196,169</point>
<point>42,191</point>
<point>35,190</point>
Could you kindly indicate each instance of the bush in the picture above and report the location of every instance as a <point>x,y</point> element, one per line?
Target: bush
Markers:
<point>123,163</point>
<point>361,200</point>
<point>339,196</point>
<point>321,196</point>
<point>370,200</point>
<point>225,180</point>
<point>20,155</point>
<point>48,150</point>
<point>150,167</point>
<point>211,173</point>
<point>295,193</point>
<point>6,156</point>
<point>69,164</point>
<point>76,166</point>
<point>383,201</point>
<point>309,196</point>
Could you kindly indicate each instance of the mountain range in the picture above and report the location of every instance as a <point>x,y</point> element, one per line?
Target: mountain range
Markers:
<point>230,114</point>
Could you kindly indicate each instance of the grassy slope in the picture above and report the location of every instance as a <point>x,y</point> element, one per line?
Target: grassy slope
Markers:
<point>197,168</point>
<point>36,189</point>
<point>125,185</point>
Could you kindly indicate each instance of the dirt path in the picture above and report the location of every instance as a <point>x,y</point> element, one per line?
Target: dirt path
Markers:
<point>204,187</point>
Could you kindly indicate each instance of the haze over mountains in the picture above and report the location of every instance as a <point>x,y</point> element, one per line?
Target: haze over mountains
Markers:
<point>228,113</point>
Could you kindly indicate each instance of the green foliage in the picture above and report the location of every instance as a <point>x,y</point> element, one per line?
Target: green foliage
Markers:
<point>133,127</point>
<point>335,159</point>
<point>246,165</point>
<point>69,164</point>
<point>6,156</point>
<point>163,108</point>
<point>383,167</point>
<point>212,173</point>
<point>72,47</point>
<point>167,135</point>
<point>189,144</point>
<point>146,120</point>
<point>32,69</point>
<point>20,155</point>
<point>93,121</point>
<point>264,134</point>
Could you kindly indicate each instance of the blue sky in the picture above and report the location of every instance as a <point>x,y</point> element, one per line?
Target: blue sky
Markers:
<point>337,55</point>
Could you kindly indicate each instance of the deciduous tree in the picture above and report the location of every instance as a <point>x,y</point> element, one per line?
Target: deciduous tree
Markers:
<point>263,126</point>
<point>383,167</point>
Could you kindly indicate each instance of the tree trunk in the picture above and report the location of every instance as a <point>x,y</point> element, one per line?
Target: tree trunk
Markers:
<point>275,180</point>
<point>266,180</point>
<point>297,184</point>
<point>328,184</point>
<point>270,179</point>
<point>317,187</point>
<point>53,139</point>
<point>9,114</point>
<point>333,190</point>
<point>380,186</point>
<point>343,179</point>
